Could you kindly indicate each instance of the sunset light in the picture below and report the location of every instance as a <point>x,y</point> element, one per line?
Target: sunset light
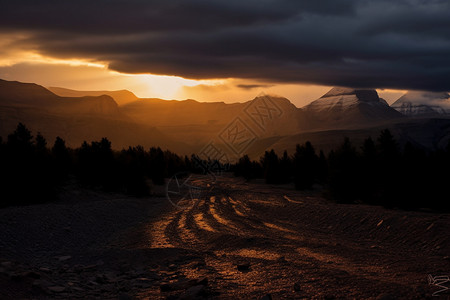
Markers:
<point>224,150</point>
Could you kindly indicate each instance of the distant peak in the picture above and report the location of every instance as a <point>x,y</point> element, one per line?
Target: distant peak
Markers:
<point>338,91</point>
<point>365,95</point>
<point>427,95</point>
<point>272,96</point>
<point>262,94</point>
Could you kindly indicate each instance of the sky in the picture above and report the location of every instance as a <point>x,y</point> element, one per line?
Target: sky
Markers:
<point>214,50</point>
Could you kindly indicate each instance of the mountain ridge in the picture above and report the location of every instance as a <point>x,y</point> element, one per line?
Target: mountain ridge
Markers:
<point>423,104</point>
<point>187,125</point>
<point>120,96</point>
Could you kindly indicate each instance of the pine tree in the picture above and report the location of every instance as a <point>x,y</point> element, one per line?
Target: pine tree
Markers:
<point>306,166</point>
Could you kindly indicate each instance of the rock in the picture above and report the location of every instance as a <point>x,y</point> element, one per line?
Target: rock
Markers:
<point>386,297</point>
<point>64,258</point>
<point>125,296</point>
<point>92,282</point>
<point>244,267</point>
<point>143,282</point>
<point>101,279</point>
<point>182,285</point>
<point>56,289</point>
<point>174,286</point>
<point>6,264</point>
<point>45,270</point>
<point>100,262</point>
<point>24,276</point>
<point>200,281</point>
<point>297,287</point>
<point>193,292</point>
<point>41,285</point>
<point>267,297</point>
<point>282,259</point>
<point>111,277</point>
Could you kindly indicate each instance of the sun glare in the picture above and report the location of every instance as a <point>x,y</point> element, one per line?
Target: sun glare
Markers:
<point>167,87</point>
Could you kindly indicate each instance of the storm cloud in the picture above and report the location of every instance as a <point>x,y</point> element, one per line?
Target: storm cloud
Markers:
<point>403,44</point>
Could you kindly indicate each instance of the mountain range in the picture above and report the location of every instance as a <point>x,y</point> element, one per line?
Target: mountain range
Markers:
<point>423,104</point>
<point>251,127</point>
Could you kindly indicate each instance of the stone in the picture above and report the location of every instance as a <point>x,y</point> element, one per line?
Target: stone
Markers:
<point>174,286</point>
<point>143,282</point>
<point>45,270</point>
<point>267,297</point>
<point>193,292</point>
<point>64,258</point>
<point>282,259</point>
<point>56,289</point>
<point>182,285</point>
<point>125,296</point>
<point>6,264</point>
<point>386,297</point>
<point>243,267</point>
<point>200,281</point>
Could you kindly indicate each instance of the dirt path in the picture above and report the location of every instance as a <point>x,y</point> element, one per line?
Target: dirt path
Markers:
<point>238,241</point>
<point>288,239</point>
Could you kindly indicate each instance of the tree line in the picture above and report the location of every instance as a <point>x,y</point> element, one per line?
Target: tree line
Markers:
<point>380,172</point>
<point>34,172</point>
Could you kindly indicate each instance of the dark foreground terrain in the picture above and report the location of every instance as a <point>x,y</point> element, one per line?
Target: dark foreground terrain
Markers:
<point>238,241</point>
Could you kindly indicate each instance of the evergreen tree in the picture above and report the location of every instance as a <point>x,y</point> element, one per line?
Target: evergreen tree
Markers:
<point>157,165</point>
<point>271,166</point>
<point>306,166</point>
<point>344,173</point>
<point>285,168</point>
<point>370,180</point>
<point>41,143</point>
<point>389,162</point>
<point>21,138</point>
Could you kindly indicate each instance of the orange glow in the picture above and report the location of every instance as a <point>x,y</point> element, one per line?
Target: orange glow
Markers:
<point>80,74</point>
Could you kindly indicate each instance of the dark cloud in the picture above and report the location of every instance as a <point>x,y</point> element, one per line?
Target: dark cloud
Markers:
<point>388,44</point>
<point>253,86</point>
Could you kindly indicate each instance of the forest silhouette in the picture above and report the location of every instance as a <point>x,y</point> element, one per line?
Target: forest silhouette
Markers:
<point>380,172</point>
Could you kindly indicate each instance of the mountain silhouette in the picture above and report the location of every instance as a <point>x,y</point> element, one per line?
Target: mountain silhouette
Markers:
<point>75,119</point>
<point>185,126</point>
<point>348,108</point>
<point>121,97</point>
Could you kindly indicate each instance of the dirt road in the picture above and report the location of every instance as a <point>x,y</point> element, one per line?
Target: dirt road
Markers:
<point>256,240</point>
<point>237,241</point>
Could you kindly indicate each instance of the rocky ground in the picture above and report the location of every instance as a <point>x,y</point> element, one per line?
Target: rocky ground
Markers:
<point>238,241</point>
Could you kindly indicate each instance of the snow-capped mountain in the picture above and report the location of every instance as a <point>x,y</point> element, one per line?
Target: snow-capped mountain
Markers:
<point>348,107</point>
<point>423,104</point>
